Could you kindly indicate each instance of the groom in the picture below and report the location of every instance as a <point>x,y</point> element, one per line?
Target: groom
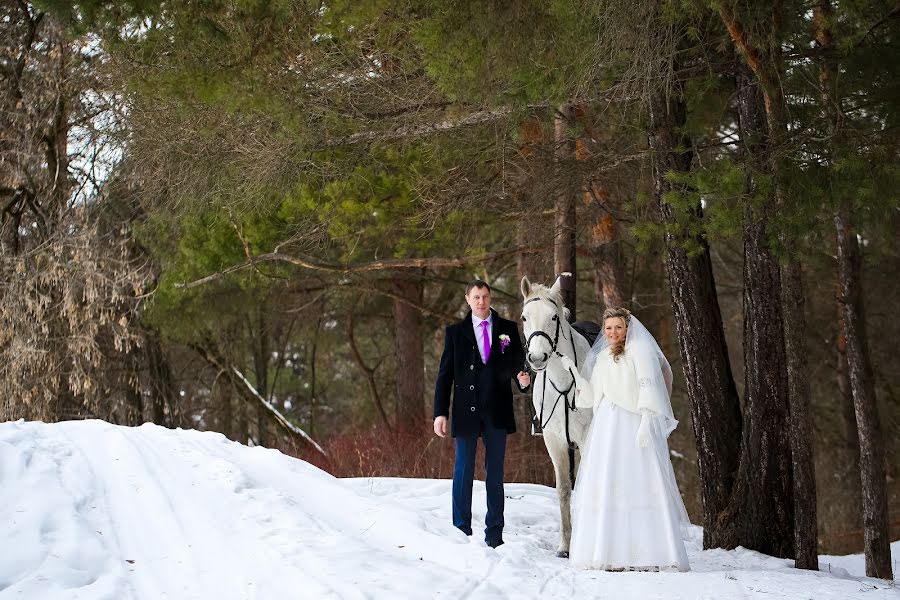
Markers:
<point>482,353</point>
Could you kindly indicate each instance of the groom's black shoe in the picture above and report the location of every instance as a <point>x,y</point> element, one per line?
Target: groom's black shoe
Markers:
<point>494,543</point>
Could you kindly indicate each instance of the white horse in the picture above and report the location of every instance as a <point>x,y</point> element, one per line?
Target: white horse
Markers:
<point>547,331</point>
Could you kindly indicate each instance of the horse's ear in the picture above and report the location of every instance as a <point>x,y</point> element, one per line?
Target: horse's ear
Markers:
<point>526,286</point>
<point>556,286</point>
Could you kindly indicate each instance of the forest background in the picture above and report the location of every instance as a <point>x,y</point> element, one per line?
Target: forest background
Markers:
<point>257,218</point>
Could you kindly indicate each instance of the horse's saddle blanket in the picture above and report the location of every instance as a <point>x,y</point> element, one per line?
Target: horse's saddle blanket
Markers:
<point>588,329</point>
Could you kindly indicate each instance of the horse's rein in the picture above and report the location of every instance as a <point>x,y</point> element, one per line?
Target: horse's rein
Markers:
<point>538,420</point>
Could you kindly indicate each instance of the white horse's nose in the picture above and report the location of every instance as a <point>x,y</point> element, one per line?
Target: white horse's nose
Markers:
<point>538,360</point>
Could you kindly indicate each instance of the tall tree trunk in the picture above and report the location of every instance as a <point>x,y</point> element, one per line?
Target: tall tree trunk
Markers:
<point>793,301</point>
<point>241,420</point>
<point>849,474</point>
<point>606,250</point>
<point>225,389</point>
<point>162,385</point>
<point>526,262</point>
<point>410,361</point>
<point>876,534</point>
<point>260,336</point>
<point>313,379</point>
<point>564,232</point>
<point>763,60</point>
<point>57,140</point>
<point>715,407</point>
<point>871,460</point>
<point>806,527</point>
<point>532,134</point>
<point>760,515</point>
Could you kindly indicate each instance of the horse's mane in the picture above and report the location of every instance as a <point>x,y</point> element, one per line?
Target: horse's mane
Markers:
<point>545,293</point>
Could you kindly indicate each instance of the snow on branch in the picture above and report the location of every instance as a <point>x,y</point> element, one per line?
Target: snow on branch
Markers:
<point>282,420</point>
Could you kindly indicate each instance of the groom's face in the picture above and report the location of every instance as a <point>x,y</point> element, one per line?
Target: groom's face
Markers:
<point>479,300</point>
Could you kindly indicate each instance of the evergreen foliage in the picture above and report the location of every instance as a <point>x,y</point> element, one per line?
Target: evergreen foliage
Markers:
<point>291,161</point>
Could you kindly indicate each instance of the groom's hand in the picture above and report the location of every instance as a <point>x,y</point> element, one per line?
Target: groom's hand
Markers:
<point>524,379</point>
<point>440,426</point>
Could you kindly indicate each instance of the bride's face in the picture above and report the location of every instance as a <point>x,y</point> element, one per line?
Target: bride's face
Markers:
<point>614,330</point>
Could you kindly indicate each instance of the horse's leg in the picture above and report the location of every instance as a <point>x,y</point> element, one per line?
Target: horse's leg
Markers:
<point>559,454</point>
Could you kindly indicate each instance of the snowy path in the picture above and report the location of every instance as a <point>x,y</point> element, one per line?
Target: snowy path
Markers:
<point>92,510</point>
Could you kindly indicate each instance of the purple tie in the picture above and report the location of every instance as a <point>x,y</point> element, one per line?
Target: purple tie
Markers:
<point>485,341</point>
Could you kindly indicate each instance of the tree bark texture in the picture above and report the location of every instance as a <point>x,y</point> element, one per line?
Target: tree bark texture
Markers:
<point>760,515</point>
<point>227,421</point>
<point>715,407</point>
<point>564,232</point>
<point>876,530</point>
<point>876,538</point>
<point>606,250</point>
<point>410,361</point>
<point>806,527</point>
<point>260,337</point>
<point>527,263</point>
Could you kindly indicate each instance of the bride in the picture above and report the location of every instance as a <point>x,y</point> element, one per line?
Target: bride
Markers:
<point>627,513</point>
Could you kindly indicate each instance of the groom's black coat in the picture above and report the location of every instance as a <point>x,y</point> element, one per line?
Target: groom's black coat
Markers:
<point>480,391</point>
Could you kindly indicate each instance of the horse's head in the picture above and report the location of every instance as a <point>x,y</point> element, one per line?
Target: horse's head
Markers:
<point>543,320</point>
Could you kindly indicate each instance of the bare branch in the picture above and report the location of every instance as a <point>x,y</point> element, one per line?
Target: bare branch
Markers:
<point>374,266</point>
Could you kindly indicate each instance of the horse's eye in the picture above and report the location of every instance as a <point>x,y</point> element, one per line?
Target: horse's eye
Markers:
<point>523,318</point>
<point>555,318</point>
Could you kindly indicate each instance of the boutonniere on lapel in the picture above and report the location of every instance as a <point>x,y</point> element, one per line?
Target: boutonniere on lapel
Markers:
<point>504,342</point>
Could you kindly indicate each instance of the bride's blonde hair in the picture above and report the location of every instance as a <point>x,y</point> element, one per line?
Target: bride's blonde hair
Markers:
<point>617,313</point>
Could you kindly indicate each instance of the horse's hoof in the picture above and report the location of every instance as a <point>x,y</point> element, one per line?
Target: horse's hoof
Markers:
<point>562,554</point>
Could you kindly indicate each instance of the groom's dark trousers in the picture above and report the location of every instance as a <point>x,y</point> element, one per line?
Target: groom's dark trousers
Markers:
<point>482,407</point>
<point>463,475</point>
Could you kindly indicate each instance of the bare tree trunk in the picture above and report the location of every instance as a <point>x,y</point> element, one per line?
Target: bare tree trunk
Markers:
<point>760,515</point>
<point>564,232</point>
<point>162,385</point>
<point>241,423</point>
<point>874,495</point>
<point>261,369</point>
<point>410,361</point>
<point>526,263</point>
<point>842,379</point>
<point>715,407</point>
<point>313,379</point>
<point>225,389</point>
<point>806,527</point>
<point>606,250</point>
<point>369,372</point>
<point>761,136</point>
<point>849,473</point>
<point>876,540</point>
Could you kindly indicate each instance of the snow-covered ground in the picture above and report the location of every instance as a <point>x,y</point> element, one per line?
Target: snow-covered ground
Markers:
<point>93,510</point>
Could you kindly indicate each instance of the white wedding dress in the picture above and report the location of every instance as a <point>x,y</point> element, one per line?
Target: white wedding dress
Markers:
<point>627,512</point>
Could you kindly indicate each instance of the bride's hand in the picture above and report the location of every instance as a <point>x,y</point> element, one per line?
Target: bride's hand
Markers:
<point>643,432</point>
<point>568,363</point>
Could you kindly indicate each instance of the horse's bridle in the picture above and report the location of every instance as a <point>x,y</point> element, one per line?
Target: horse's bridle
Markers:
<point>537,420</point>
<point>554,341</point>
